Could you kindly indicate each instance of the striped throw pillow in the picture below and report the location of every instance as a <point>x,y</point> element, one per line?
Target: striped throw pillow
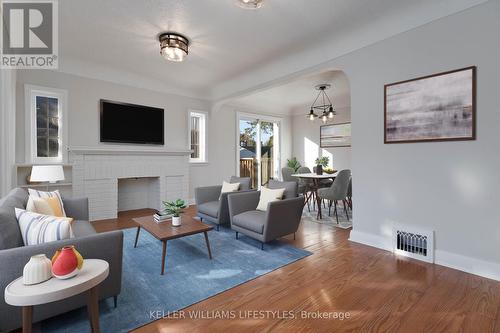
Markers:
<point>30,206</point>
<point>38,229</point>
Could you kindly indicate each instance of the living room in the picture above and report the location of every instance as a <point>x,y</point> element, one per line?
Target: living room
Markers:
<point>232,119</point>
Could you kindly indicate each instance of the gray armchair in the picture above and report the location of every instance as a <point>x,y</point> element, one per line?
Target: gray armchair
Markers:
<point>281,218</point>
<point>14,255</point>
<point>212,205</point>
<point>338,191</point>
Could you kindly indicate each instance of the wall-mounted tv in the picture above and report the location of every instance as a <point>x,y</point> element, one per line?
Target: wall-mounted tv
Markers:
<point>130,123</point>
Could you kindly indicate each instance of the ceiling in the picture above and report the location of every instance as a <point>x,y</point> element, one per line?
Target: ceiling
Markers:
<point>296,97</point>
<point>119,37</point>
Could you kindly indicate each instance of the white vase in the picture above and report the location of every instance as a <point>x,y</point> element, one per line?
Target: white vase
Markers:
<point>176,221</point>
<point>37,270</point>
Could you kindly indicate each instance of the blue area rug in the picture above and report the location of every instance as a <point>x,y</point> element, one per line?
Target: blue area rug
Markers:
<point>189,277</point>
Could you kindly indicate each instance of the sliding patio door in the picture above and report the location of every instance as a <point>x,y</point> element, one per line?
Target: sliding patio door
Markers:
<point>259,151</point>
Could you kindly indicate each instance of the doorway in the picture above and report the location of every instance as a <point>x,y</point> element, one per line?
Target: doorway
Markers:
<point>259,148</point>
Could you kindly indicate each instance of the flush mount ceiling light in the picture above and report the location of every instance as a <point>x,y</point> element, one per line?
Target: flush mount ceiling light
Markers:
<point>173,46</point>
<point>324,105</point>
<point>250,4</point>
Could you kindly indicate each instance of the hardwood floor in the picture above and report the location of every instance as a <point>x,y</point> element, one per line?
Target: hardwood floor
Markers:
<point>380,292</point>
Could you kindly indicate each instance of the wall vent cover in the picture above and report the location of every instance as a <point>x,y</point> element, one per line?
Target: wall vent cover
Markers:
<point>413,243</point>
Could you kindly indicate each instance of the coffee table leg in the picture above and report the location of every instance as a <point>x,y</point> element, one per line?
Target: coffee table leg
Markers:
<point>137,236</point>
<point>27,318</point>
<point>208,245</point>
<point>163,255</point>
<point>93,309</point>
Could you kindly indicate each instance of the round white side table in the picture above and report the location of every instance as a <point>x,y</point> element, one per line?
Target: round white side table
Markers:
<point>93,272</point>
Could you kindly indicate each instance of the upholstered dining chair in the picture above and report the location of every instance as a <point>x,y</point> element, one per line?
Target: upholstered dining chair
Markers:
<point>305,186</point>
<point>212,205</point>
<point>287,173</point>
<point>338,191</point>
<point>280,219</point>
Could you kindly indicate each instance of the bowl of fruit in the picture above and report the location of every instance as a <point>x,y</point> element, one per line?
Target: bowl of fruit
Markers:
<point>329,171</point>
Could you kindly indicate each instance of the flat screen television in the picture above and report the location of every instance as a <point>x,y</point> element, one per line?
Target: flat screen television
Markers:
<point>130,123</point>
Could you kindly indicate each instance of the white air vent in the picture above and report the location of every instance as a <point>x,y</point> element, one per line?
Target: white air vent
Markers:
<point>414,243</point>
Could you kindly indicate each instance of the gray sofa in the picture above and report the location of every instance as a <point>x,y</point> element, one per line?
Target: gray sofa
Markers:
<point>13,256</point>
<point>213,209</point>
<point>280,219</point>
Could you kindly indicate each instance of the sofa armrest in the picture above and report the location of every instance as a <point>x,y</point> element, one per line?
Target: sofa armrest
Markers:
<point>240,202</point>
<point>106,246</point>
<point>206,194</point>
<point>283,217</point>
<point>78,209</point>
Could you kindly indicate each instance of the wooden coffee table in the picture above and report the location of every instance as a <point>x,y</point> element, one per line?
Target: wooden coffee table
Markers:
<point>164,232</point>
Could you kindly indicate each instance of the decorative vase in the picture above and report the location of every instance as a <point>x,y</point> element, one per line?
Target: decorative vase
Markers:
<point>66,262</point>
<point>319,169</point>
<point>176,221</point>
<point>37,270</point>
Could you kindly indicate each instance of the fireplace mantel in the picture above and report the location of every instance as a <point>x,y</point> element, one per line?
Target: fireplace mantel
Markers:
<point>127,151</point>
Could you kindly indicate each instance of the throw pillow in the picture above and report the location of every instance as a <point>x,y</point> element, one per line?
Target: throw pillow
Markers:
<point>47,206</point>
<point>38,229</point>
<point>229,187</point>
<point>268,195</point>
<point>30,206</point>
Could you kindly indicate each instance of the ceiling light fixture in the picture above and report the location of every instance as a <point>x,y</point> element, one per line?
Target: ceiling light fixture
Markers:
<point>250,4</point>
<point>324,105</point>
<point>173,46</point>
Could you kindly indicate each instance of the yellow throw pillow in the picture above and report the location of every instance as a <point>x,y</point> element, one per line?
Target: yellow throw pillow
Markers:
<point>48,206</point>
<point>30,206</point>
<point>268,195</point>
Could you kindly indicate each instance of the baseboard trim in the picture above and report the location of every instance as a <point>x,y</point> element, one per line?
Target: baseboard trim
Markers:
<point>459,262</point>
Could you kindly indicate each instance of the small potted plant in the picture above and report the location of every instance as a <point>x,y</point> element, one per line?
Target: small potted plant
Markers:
<point>175,208</point>
<point>321,162</point>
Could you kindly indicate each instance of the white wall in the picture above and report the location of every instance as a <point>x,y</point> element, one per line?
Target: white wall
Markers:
<point>450,187</point>
<point>83,108</point>
<point>306,143</point>
<point>222,145</point>
<point>7,129</point>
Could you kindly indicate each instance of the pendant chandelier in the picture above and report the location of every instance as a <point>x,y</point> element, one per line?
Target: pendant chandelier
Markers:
<point>323,104</point>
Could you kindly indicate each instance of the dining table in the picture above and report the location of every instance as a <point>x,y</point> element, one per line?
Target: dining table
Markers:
<point>315,180</point>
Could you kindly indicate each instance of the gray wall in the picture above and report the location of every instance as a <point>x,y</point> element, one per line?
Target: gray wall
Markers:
<point>450,187</point>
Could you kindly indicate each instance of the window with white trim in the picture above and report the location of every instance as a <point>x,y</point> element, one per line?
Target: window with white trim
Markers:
<point>45,124</point>
<point>198,136</point>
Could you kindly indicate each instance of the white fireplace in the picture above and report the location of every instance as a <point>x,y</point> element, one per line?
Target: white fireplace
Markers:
<point>123,179</point>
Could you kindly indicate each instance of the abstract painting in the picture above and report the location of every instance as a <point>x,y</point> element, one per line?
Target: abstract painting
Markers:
<point>437,107</point>
<point>335,135</point>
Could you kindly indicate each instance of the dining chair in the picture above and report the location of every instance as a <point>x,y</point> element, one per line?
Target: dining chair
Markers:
<point>287,173</point>
<point>305,186</point>
<point>338,191</point>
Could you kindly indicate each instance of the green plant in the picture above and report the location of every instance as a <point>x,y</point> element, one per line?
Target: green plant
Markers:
<point>175,207</point>
<point>293,163</point>
<point>323,161</point>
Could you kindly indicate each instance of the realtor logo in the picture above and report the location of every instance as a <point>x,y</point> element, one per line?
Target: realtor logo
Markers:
<point>29,34</point>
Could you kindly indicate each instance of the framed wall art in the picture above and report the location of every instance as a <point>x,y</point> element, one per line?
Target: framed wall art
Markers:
<point>335,135</point>
<point>439,107</point>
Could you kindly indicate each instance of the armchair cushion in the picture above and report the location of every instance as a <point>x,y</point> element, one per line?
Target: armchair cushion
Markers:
<point>210,208</point>
<point>229,187</point>
<point>10,234</point>
<point>253,220</point>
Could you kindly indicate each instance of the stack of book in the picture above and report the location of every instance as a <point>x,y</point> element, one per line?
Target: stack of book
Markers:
<point>161,216</point>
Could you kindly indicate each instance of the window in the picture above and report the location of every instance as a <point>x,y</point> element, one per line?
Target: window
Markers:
<point>45,124</point>
<point>198,136</point>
